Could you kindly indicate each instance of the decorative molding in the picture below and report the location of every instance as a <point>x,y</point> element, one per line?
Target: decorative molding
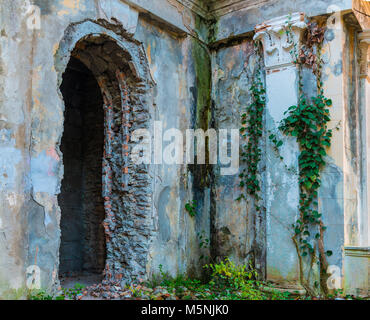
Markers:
<point>361,252</point>
<point>220,8</point>
<point>276,43</point>
<point>196,7</point>
<point>364,38</point>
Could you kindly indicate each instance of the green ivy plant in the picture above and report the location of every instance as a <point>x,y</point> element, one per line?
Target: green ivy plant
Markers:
<point>204,245</point>
<point>252,133</point>
<point>191,208</point>
<point>308,123</point>
<point>227,274</point>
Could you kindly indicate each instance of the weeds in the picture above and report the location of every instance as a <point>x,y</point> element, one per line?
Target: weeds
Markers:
<point>228,282</point>
<point>67,294</point>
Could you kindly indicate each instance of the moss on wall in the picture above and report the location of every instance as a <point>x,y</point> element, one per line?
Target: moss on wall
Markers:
<point>202,110</point>
<point>212,25</point>
<point>203,72</point>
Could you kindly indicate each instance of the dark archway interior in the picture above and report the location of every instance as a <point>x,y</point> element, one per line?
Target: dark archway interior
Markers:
<point>83,248</point>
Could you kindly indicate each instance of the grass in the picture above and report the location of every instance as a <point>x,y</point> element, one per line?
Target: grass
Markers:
<point>67,294</point>
<point>227,282</point>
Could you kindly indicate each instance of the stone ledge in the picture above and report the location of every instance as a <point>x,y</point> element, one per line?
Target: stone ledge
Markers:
<point>357,252</point>
<point>357,270</point>
<point>298,291</point>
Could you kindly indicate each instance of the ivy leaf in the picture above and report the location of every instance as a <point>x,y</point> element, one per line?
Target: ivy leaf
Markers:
<point>329,253</point>
<point>308,184</point>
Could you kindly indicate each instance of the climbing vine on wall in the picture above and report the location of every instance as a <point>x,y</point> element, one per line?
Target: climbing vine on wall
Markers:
<point>308,123</point>
<point>252,132</point>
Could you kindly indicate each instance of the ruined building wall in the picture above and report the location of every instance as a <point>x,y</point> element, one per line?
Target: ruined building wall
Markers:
<point>174,69</point>
<point>342,196</point>
<point>164,63</point>
<point>238,233</point>
<point>149,225</point>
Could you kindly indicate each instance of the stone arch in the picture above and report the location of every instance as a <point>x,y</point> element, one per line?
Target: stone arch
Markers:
<point>120,67</point>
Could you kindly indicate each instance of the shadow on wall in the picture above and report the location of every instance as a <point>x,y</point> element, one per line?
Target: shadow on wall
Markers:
<point>82,234</point>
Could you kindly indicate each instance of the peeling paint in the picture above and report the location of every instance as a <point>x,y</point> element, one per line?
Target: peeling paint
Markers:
<point>44,174</point>
<point>196,86</point>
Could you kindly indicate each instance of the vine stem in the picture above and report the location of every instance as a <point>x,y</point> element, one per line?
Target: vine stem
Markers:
<point>307,121</point>
<point>303,281</point>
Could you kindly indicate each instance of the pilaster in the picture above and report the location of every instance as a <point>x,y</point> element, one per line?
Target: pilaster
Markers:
<point>282,189</point>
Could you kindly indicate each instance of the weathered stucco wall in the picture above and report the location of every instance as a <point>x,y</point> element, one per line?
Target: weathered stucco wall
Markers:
<point>238,233</point>
<point>178,80</point>
<point>32,63</point>
<point>240,22</point>
<point>342,196</point>
<point>15,160</point>
<point>176,99</point>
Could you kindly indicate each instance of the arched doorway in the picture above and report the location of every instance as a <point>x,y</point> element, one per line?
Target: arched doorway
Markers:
<point>83,248</point>
<point>123,89</point>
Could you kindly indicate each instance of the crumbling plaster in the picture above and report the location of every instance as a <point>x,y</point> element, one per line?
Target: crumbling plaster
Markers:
<point>161,40</point>
<point>32,126</point>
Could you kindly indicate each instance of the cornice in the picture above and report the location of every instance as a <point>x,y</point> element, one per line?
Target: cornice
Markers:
<point>220,8</point>
<point>217,8</point>
<point>196,6</point>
